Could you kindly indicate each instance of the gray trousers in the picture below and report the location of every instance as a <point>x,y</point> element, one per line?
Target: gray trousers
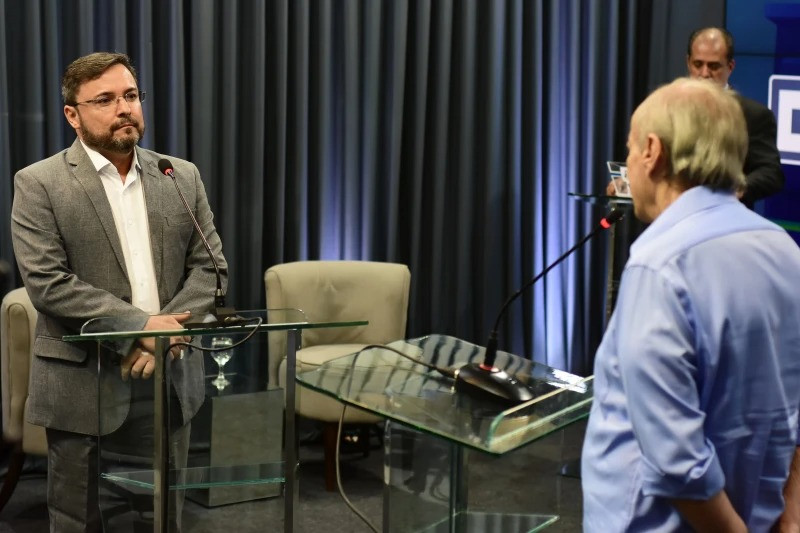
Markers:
<point>73,469</point>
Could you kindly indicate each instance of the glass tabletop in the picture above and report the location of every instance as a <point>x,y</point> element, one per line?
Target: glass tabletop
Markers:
<point>601,199</point>
<point>381,381</point>
<point>121,327</point>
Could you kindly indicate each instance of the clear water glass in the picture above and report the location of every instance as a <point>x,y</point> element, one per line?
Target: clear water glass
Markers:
<point>221,357</point>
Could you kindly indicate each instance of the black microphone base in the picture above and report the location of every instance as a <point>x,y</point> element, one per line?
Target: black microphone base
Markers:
<point>221,317</point>
<point>492,385</point>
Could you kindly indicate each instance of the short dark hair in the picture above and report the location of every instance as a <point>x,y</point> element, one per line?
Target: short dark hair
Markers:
<point>726,35</point>
<point>87,68</point>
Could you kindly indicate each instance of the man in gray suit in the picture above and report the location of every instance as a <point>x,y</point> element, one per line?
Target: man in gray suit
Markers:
<point>98,231</point>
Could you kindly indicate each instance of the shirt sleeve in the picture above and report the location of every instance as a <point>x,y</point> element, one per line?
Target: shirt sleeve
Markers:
<point>658,368</point>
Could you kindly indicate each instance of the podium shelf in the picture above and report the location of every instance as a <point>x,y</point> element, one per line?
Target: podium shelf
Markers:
<point>202,477</point>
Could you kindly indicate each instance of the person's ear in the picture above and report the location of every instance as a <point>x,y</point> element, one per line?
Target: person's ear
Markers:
<point>731,65</point>
<point>72,116</point>
<point>654,156</point>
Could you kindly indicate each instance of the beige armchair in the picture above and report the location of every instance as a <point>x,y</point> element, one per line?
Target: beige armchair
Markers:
<point>17,323</point>
<point>335,290</point>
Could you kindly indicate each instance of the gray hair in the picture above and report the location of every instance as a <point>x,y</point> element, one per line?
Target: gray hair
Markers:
<point>703,131</point>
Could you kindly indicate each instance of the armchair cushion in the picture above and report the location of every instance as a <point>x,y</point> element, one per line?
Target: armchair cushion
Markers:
<point>17,323</point>
<point>313,404</point>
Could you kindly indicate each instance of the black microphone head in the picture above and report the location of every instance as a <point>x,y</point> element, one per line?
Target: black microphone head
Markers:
<point>612,217</point>
<point>165,166</point>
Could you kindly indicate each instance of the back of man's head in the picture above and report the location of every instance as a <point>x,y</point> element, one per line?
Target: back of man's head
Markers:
<point>702,129</point>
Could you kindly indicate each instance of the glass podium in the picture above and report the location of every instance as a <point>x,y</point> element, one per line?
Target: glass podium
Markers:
<point>204,430</point>
<point>428,418</point>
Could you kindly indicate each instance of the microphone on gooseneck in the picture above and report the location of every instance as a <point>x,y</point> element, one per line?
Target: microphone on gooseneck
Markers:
<point>483,379</point>
<point>222,315</point>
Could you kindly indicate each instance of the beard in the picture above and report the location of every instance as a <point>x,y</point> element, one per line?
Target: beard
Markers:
<point>108,142</point>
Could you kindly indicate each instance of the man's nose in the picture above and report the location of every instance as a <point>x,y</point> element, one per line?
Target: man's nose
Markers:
<point>705,72</point>
<point>123,106</point>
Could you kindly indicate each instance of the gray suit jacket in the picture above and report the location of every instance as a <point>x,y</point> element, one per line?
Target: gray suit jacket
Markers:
<point>72,265</point>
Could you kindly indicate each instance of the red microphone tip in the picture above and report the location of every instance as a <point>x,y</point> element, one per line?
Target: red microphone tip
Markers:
<point>165,167</point>
<point>612,218</point>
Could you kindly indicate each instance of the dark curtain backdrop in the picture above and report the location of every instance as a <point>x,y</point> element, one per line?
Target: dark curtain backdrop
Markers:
<point>441,134</point>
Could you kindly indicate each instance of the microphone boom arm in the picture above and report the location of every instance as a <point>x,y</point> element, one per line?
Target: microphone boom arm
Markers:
<point>483,379</point>
<point>222,315</point>
<point>493,334</point>
<point>219,295</point>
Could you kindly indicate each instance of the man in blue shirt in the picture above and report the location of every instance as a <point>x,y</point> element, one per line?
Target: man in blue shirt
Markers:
<point>694,423</point>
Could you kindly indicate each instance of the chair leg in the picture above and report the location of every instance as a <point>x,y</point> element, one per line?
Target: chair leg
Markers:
<point>15,462</point>
<point>329,432</point>
<point>363,437</point>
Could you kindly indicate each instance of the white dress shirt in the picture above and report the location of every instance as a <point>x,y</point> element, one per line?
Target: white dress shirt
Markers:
<point>130,217</point>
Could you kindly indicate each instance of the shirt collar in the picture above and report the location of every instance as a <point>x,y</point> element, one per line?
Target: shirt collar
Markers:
<point>100,161</point>
<point>690,202</point>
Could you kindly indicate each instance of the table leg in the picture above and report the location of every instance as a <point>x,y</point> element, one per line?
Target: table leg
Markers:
<point>161,381</point>
<point>458,488</point>
<point>291,493</point>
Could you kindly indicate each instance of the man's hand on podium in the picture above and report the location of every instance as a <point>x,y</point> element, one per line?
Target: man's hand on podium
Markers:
<point>140,362</point>
<point>161,323</point>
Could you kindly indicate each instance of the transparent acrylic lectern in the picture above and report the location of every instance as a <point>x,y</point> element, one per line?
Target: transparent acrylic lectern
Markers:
<point>199,431</point>
<point>426,415</point>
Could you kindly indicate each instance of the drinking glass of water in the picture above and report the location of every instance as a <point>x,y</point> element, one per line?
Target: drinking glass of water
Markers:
<point>221,357</point>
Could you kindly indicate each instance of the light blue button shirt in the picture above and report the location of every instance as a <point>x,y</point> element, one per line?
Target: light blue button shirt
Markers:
<point>697,379</point>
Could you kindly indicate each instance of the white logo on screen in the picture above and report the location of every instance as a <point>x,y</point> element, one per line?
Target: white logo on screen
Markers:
<point>784,101</point>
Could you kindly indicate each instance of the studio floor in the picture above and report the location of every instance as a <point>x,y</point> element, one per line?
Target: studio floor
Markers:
<point>528,480</point>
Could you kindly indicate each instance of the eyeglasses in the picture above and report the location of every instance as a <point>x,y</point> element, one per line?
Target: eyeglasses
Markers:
<point>104,101</point>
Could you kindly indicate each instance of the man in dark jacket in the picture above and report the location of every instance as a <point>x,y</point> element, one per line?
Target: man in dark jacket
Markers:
<point>709,56</point>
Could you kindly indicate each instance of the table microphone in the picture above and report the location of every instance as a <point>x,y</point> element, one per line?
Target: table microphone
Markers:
<point>489,382</point>
<point>222,315</point>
